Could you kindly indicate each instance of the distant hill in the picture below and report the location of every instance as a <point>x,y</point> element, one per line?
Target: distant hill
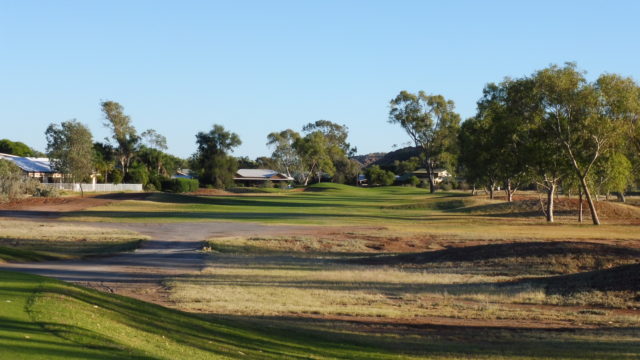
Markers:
<point>368,159</point>
<point>401,155</point>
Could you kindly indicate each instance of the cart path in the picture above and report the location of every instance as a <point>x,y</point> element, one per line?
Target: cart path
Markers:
<point>173,249</point>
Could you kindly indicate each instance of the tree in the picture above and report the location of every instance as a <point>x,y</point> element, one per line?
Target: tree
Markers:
<point>211,159</point>
<point>347,171</point>
<point>314,151</point>
<point>589,120</point>
<point>476,154</point>
<point>335,134</point>
<point>154,140</point>
<point>70,150</point>
<point>284,152</point>
<point>430,122</point>
<point>123,133</point>
<point>104,160</point>
<point>377,176</point>
<point>16,148</point>
<point>612,174</point>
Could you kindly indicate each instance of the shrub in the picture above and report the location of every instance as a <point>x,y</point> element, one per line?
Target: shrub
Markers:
<point>42,190</point>
<point>116,176</point>
<point>377,176</point>
<point>180,185</point>
<point>413,181</point>
<point>267,184</point>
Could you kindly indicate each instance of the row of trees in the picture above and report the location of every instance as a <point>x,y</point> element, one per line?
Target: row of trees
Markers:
<point>322,150</point>
<point>554,129</point>
<point>127,156</point>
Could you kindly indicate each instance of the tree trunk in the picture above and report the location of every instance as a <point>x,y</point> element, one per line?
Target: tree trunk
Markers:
<point>491,188</point>
<point>592,207</point>
<point>509,191</point>
<point>432,183</point>
<point>621,197</point>
<point>580,218</point>
<point>550,190</point>
<point>474,191</point>
<point>81,190</point>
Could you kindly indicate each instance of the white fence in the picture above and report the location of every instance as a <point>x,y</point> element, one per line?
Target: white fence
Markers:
<point>96,187</point>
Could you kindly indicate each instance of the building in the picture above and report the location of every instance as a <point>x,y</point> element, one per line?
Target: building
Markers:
<point>37,168</point>
<point>252,177</point>
<point>439,175</point>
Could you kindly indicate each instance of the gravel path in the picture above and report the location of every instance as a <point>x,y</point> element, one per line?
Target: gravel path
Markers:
<point>173,249</point>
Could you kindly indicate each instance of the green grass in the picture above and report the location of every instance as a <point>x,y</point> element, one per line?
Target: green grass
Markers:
<point>42,318</point>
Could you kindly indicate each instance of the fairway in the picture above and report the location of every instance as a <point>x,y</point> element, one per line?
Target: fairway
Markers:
<point>334,272</point>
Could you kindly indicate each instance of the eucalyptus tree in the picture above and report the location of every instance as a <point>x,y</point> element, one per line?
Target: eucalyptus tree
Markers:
<point>70,150</point>
<point>123,133</point>
<point>431,123</point>
<point>315,153</point>
<point>589,120</point>
<point>284,152</point>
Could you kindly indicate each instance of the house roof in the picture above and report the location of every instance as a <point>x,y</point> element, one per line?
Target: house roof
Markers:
<point>29,164</point>
<point>260,174</point>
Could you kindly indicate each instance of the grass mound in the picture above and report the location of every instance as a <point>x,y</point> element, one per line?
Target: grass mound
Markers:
<point>526,257</point>
<point>41,318</point>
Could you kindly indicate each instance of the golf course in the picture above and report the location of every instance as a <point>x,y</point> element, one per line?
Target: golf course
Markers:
<point>330,271</point>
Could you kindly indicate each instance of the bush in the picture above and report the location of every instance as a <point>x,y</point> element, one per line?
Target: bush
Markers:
<point>267,184</point>
<point>116,176</point>
<point>42,190</point>
<point>138,175</point>
<point>413,181</point>
<point>377,176</point>
<point>180,185</point>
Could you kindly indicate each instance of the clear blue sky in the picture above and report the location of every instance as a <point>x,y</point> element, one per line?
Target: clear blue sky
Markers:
<point>262,66</point>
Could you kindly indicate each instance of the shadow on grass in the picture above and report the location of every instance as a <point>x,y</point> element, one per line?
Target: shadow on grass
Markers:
<point>502,251</point>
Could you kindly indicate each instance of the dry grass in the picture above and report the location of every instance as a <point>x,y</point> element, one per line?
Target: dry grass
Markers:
<point>60,240</point>
<point>319,284</point>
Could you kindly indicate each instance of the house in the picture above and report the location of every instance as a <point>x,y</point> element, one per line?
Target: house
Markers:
<point>37,168</point>
<point>183,174</point>
<point>259,176</point>
<point>439,175</point>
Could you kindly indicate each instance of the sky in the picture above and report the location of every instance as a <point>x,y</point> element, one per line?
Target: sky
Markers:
<point>261,66</point>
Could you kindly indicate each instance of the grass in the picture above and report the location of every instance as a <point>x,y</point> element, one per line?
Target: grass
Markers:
<point>38,241</point>
<point>383,273</point>
<point>47,319</point>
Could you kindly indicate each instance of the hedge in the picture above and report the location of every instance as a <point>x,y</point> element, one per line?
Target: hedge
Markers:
<point>180,185</point>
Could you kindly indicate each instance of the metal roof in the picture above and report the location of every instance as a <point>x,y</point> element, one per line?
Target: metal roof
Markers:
<point>258,174</point>
<point>29,164</point>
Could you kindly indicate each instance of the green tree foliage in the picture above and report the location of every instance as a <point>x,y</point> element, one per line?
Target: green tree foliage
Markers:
<point>70,149</point>
<point>104,161</point>
<point>214,165</point>
<point>347,171</point>
<point>284,153</point>
<point>379,177</point>
<point>123,133</point>
<point>17,148</point>
<point>407,166</point>
<point>476,153</point>
<point>315,156</point>
<point>589,120</point>
<point>431,123</point>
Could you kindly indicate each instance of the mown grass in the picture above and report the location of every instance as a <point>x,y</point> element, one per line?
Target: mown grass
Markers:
<point>39,241</point>
<point>42,318</point>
